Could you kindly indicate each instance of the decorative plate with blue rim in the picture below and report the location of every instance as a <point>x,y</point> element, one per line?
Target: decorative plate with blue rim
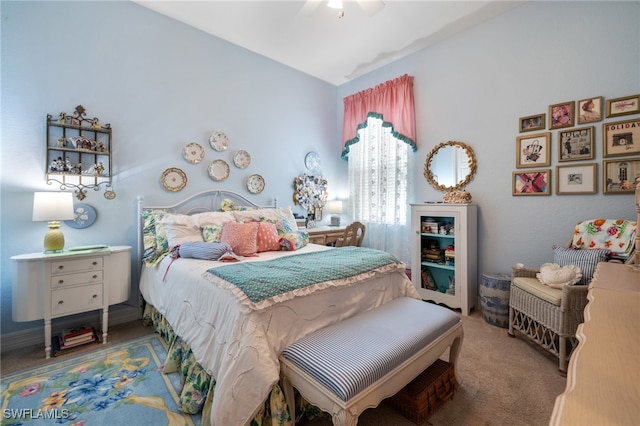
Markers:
<point>312,162</point>
<point>84,216</point>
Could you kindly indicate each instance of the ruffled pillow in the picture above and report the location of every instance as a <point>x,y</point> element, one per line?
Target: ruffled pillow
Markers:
<point>180,229</point>
<point>556,276</point>
<point>242,237</point>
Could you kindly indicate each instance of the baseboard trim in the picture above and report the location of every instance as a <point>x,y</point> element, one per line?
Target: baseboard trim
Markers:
<point>118,314</point>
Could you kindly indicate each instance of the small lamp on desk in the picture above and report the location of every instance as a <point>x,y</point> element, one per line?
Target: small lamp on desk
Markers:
<point>53,207</point>
<point>335,208</point>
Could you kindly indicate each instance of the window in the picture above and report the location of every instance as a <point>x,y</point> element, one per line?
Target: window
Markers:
<point>378,175</point>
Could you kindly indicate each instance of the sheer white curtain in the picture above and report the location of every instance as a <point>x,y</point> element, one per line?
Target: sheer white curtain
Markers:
<point>378,187</point>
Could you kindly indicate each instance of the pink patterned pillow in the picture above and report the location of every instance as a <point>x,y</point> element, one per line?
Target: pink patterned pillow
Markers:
<point>242,237</point>
<point>268,239</point>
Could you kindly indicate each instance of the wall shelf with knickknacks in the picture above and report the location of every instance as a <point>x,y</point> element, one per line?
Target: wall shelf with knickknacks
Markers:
<point>79,153</point>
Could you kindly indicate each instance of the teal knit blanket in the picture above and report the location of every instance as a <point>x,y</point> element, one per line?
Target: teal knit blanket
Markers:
<point>264,280</point>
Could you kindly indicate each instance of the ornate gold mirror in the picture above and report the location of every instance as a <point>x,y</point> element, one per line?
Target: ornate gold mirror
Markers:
<point>450,165</point>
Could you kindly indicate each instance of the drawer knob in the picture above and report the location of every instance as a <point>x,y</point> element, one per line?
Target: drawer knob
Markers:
<point>95,277</point>
<point>95,296</point>
<point>60,302</point>
<point>94,263</point>
<point>60,281</point>
<point>60,267</point>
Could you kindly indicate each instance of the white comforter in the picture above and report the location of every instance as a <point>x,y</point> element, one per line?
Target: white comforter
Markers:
<point>239,346</point>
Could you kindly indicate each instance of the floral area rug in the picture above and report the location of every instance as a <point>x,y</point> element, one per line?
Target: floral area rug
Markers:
<point>118,385</point>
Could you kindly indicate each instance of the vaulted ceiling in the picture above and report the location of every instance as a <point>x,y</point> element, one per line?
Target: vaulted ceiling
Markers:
<point>311,37</point>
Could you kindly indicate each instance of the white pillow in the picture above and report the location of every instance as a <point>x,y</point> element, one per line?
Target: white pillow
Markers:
<point>180,229</point>
<point>556,276</point>
<point>212,218</point>
<point>281,216</point>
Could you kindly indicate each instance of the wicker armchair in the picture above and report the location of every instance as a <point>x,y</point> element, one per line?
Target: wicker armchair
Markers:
<point>550,316</point>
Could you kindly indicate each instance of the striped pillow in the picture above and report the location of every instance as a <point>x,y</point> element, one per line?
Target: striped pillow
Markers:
<point>202,250</point>
<point>586,260</point>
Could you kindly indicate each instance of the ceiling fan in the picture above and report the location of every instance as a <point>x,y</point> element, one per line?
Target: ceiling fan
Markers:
<point>370,7</point>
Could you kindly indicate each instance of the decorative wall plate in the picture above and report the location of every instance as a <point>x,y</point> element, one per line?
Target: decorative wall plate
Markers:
<point>219,170</point>
<point>219,141</point>
<point>255,184</point>
<point>84,216</point>
<point>174,179</point>
<point>312,162</point>
<point>242,159</point>
<point>193,152</point>
<point>109,194</point>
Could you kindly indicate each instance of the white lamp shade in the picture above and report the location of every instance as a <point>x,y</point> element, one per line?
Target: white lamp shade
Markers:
<point>48,206</point>
<point>335,4</point>
<point>335,206</point>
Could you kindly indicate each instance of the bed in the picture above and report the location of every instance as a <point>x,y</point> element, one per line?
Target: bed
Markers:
<point>237,316</point>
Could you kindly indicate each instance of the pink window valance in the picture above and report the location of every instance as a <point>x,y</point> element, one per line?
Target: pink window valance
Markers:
<point>391,101</point>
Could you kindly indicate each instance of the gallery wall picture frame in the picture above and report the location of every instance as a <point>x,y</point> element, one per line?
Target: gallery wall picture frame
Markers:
<point>623,106</point>
<point>533,150</point>
<point>621,138</point>
<point>531,182</point>
<point>576,179</point>
<point>576,144</point>
<point>589,110</point>
<point>532,123</point>
<point>620,176</point>
<point>561,115</point>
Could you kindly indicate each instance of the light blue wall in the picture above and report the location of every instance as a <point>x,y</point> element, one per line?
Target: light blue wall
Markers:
<point>162,84</point>
<point>475,86</point>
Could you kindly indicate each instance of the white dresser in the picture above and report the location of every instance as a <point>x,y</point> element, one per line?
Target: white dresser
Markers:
<point>53,285</point>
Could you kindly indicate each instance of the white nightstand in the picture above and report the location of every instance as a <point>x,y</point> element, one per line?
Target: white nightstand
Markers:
<point>53,285</point>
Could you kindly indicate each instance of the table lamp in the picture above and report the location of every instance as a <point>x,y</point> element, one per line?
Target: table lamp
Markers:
<point>53,207</point>
<point>335,208</point>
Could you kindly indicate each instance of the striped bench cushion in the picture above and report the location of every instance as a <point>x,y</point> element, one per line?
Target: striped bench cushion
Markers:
<point>349,356</point>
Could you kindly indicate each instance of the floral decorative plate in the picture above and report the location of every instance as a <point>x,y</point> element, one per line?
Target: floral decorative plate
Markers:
<point>255,184</point>
<point>219,170</point>
<point>174,179</point>
<point>242,159</point>
<point>312,162</point>
<point>193,152</point>
<point>84,216</point>
<point>219,141</point>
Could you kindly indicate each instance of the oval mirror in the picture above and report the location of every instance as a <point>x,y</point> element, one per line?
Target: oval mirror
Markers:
<point>450,165</point>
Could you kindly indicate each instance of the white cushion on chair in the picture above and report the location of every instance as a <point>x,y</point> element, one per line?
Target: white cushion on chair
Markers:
<point>535,287</point>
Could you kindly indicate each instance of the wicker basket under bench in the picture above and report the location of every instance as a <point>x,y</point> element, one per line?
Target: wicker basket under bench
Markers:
<point>353,365</point>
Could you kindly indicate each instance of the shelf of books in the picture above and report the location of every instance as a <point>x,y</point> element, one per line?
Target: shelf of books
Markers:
<point>71,338</point>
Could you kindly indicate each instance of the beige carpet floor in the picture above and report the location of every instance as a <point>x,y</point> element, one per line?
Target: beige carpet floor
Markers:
<point>505,381</point>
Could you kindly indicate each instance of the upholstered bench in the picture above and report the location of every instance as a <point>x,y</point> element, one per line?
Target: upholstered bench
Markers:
<point>355,364</point>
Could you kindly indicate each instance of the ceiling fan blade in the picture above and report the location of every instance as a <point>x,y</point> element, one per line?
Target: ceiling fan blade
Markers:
<point>371,7</point>
<point>309,7</point>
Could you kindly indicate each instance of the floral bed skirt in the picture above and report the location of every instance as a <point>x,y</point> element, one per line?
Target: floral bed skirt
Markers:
<point>199,387</point>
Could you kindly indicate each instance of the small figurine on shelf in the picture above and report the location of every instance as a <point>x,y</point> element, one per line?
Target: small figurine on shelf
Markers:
<point>62,118</point>
<point>95,123</point>
<point>98,168</point>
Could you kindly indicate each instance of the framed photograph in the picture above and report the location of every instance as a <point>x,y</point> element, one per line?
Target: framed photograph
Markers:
<point>532,123</point>
<point>576,179</point>
<point>575,144</point>
<point>533,150</point>
<point>532,182</point>
<point>621,138</point>
<point>623,106</point>
<point>561,115</point>
<point>620,176</point>
<point>590,110</point>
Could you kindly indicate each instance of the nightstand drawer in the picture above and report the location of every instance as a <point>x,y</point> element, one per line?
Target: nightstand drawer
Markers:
<point>320,239</point>
<point>77,299</point>
<point>89,277</point>
<point>85,264</point>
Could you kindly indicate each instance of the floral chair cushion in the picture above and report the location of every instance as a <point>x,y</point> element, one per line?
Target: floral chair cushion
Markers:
<point>616,235</point>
